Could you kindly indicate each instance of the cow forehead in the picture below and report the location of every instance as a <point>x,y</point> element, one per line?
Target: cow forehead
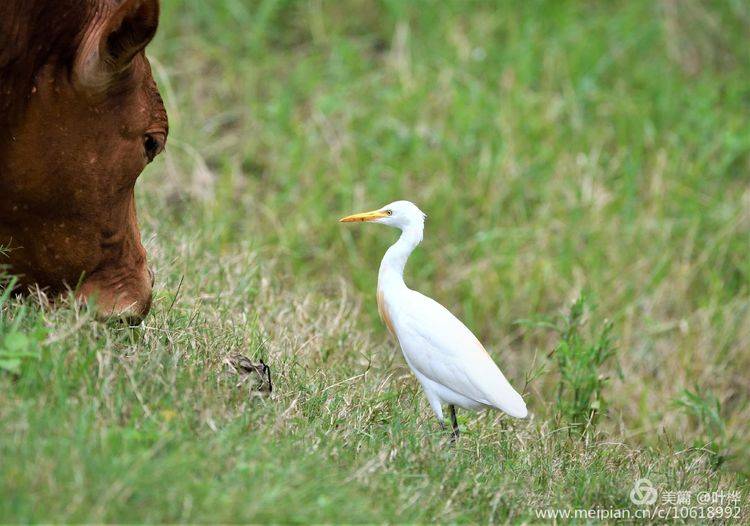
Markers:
<point>37,33</point>
<point>156,103</point>
<point>33,33</point>
<point>136,90</point>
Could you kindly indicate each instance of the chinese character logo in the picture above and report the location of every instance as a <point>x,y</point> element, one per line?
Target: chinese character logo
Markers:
<point>643,493</point>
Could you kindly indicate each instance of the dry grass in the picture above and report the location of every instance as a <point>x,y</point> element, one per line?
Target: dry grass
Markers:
<point>557,148</point>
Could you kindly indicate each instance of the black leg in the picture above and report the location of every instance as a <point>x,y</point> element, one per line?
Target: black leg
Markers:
<point>456,432</point>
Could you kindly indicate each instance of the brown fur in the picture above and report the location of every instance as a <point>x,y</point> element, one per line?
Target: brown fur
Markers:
<point>78,107</point>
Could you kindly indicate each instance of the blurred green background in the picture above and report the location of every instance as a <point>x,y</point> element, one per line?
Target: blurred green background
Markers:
<point>559,148</point>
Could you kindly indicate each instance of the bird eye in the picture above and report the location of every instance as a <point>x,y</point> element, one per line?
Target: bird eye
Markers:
<point>153,145</point>
<point>389,212</point>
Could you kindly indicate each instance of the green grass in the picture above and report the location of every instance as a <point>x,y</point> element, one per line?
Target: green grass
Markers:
<point>558,148</point>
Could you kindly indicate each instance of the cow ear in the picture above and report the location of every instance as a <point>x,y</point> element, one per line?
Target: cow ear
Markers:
<point>128,31</point>
<point>123,35</point>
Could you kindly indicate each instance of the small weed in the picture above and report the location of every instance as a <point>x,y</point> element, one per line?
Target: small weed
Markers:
<point>705,411</point>
<point>580,362</point>
<point>16,343</point>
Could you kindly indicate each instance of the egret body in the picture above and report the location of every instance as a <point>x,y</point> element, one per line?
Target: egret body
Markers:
<point>450,363</point>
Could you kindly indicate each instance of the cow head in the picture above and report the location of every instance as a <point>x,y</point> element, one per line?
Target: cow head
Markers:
<point>91,121</point>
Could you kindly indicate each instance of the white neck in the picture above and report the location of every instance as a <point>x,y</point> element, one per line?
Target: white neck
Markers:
<point>392,267</point>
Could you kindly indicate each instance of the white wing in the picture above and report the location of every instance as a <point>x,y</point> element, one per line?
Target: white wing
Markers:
<point>440,347</point>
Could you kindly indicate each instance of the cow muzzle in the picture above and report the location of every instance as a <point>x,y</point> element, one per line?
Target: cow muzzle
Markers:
<point>120,293</point>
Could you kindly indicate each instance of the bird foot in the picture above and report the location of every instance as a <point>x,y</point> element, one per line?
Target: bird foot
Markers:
<point>454,433</point>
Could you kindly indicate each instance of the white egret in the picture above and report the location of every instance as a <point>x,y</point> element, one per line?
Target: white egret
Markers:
<point>447,359</point>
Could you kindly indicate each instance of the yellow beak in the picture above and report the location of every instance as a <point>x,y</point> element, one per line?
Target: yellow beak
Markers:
<point>364,216</point>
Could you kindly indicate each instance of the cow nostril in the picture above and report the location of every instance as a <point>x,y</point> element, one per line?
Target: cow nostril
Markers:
<point>132,320</point>
<point>151,276</point>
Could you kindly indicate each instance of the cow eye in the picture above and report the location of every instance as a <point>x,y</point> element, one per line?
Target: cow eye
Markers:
<point>153,144</point>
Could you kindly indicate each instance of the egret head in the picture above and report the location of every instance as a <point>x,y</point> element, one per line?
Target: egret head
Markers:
<point>399,214</point>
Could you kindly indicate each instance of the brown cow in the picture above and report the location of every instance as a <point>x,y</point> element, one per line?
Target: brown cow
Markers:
<point>80,117</point>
